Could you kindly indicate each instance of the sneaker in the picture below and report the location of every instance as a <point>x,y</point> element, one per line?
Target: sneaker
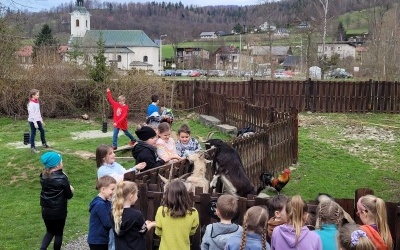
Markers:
<point>34,150</point>
<point>45,145</point>
<point>131,143</point>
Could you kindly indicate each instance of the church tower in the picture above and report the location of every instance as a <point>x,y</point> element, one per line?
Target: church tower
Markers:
<point>80,20</point>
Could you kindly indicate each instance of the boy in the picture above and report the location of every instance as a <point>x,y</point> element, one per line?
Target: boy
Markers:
<point>100,210</point>
<point>186,144</point>
<point>145,150</point>
<point>277,212</point>
<point>120,117</point>
<point>217,233</point>
<point>153,113</point>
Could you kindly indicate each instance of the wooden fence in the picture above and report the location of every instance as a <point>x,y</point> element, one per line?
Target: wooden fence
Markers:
<point>150,198</point>
<point>315,96</point>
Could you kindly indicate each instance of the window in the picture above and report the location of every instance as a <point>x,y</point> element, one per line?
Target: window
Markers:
<point>86,23</point>
<point>145,59</point>
<point>119,58</point>
<point>77,23</point>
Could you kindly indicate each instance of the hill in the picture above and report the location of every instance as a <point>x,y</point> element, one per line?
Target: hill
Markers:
<point>179,21</point>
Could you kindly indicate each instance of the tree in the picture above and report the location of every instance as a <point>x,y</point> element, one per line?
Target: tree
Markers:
<point>75,54</point>
<point>45,45</point>
<point>100,71</point>
<point>341,33</point>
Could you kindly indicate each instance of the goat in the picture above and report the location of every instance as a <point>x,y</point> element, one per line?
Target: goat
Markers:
<point>197,177</point>
<point>228,166</point>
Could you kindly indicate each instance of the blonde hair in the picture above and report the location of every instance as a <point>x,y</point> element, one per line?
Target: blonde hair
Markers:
<point>376,207</point>
<point>227,206</point>
<point>256,220</point>
<point>351,237</point>
<point>123,189</point>
<point>121,98</point>
<point>329,212</point>
<point>296,208</point>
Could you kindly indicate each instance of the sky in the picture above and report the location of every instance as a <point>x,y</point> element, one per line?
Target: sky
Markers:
<point>38,5</point>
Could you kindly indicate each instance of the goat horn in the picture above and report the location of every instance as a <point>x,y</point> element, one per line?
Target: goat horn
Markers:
<point>210,134</point>
<point>185,175</point>
<point>171,172</point>
<point>163,179</point>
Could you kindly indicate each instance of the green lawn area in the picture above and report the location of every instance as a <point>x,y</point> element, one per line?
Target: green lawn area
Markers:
<point>337,154</point>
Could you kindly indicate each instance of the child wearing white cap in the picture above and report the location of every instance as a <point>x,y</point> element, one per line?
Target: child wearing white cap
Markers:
<point>56,191</point>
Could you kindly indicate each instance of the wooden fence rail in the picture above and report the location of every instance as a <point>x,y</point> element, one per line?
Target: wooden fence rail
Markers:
<point>315,96</point>
<point>150,198</point>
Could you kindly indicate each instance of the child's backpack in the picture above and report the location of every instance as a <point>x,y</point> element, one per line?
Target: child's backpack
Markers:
<point>167,116</point>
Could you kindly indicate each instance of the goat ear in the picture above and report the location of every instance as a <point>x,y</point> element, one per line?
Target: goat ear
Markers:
<point>163,179</point>
<point>207,161</point>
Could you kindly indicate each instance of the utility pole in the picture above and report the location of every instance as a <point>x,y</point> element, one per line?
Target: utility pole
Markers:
<point>161,66</point>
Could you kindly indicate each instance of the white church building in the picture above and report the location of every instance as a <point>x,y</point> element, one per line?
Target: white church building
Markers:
<point>126,49</point>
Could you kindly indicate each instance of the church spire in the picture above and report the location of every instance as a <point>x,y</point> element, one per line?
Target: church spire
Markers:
<point>79,3</point>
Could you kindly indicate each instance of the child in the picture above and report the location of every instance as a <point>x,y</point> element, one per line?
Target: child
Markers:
<point>35,120</point>
<point>277,212</point>
<point>120,117</point>
<point>351,237</point>
<point>166,115</point>
<point>106,164</point>
<point>372,212</point>
<point>145,150</point>
<point>186,144</point>
<point>329,219</point>
<point>165,144</point>
<point>254,235</point>
<point>128,223</point>
<point>56,191</point>
<point>153,113</point>
<point>217,233</point>
<point>100,209</point>
<point>294,234</point>
<point>176,219</point>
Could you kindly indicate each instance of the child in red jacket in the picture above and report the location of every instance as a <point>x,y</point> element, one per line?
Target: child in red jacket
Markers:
<point>120,116</point>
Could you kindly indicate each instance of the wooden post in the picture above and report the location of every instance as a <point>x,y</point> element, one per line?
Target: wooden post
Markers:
<point>251,90</point>
<point>295,133</point>
<point>244,113</point>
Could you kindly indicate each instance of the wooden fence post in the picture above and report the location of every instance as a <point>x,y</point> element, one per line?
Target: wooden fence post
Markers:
<point>251,90</point>
<point>224,102</point>
<point>295,133</point>
<point>208,107</point>
<point>244,118</point>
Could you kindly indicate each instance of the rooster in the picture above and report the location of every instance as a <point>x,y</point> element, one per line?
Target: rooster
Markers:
<point>268,179</point>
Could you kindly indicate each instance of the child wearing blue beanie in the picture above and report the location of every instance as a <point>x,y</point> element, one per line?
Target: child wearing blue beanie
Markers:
<point>56,191</point>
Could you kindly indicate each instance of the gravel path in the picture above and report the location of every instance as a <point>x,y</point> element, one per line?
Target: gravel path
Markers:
<point>78,244</point>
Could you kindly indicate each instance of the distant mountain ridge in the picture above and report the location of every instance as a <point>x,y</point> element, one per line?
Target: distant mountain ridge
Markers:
<point>180,22</point>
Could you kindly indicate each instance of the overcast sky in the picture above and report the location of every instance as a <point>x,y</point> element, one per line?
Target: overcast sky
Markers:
<point>37,5</point>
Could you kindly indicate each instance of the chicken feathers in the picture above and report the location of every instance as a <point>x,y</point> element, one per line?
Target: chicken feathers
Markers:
<point>277,183</point>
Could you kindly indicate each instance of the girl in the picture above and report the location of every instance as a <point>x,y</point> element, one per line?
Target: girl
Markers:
<point>294,234</point>
<point>165,144</point>
<point>175,213</point>
<point>106,164</point>
<point>128,223</point>
<point>56,191</point>
<point>254,235</point>
<point>351,237</point>
<point>329,219</point>
<point>372,212</point>
<point>276,212</point>
<point>35,120</point>
<point>186,144</point>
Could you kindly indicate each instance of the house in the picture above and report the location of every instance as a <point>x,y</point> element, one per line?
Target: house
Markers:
<point>192,57</point>
<point>278,53</point>
<point>267,27</point>
<point>227,57</point>
<point>343,49</point>
<point>208,35</point>
<point>124,49</point>
<point>24,55</point>
<point>292,62</point>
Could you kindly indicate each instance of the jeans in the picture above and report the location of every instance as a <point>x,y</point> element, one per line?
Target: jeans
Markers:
<point>115,136</point>
<point>33,133</point>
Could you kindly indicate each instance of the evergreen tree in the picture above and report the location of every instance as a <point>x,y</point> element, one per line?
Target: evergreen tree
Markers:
<point>100,71</point>
<point>45,37</point>
<point>341,33</point>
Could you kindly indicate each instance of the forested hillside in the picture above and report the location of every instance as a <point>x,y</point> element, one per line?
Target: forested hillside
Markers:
<point>182,22</point>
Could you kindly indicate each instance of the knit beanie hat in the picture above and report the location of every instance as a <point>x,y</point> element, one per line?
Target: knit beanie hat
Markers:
<point>145,133</point>
<point>50,159</point>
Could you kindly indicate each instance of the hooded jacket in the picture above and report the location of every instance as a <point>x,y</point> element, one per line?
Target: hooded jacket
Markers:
<point>56,192</point>
<point>132,231</point>
<point>216,235</point>
<point>284,238</point>
<point>375,237</point>
<point>253,242</point>
<point>100,221</point>
<point>144,152</point>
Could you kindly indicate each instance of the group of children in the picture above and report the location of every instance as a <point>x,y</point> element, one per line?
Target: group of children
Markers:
<point>115,224</point>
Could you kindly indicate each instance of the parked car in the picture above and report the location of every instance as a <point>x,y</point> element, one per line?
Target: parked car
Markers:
<point>194,73</point>
<point>212,73</point>
<point>340,73</point>
<point>169,72</point>
<point>281,75</point>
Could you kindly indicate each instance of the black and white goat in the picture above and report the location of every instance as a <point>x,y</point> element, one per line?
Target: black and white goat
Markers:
<point>228,166</point>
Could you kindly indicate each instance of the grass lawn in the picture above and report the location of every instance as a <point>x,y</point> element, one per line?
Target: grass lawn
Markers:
<point>337,154</point>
